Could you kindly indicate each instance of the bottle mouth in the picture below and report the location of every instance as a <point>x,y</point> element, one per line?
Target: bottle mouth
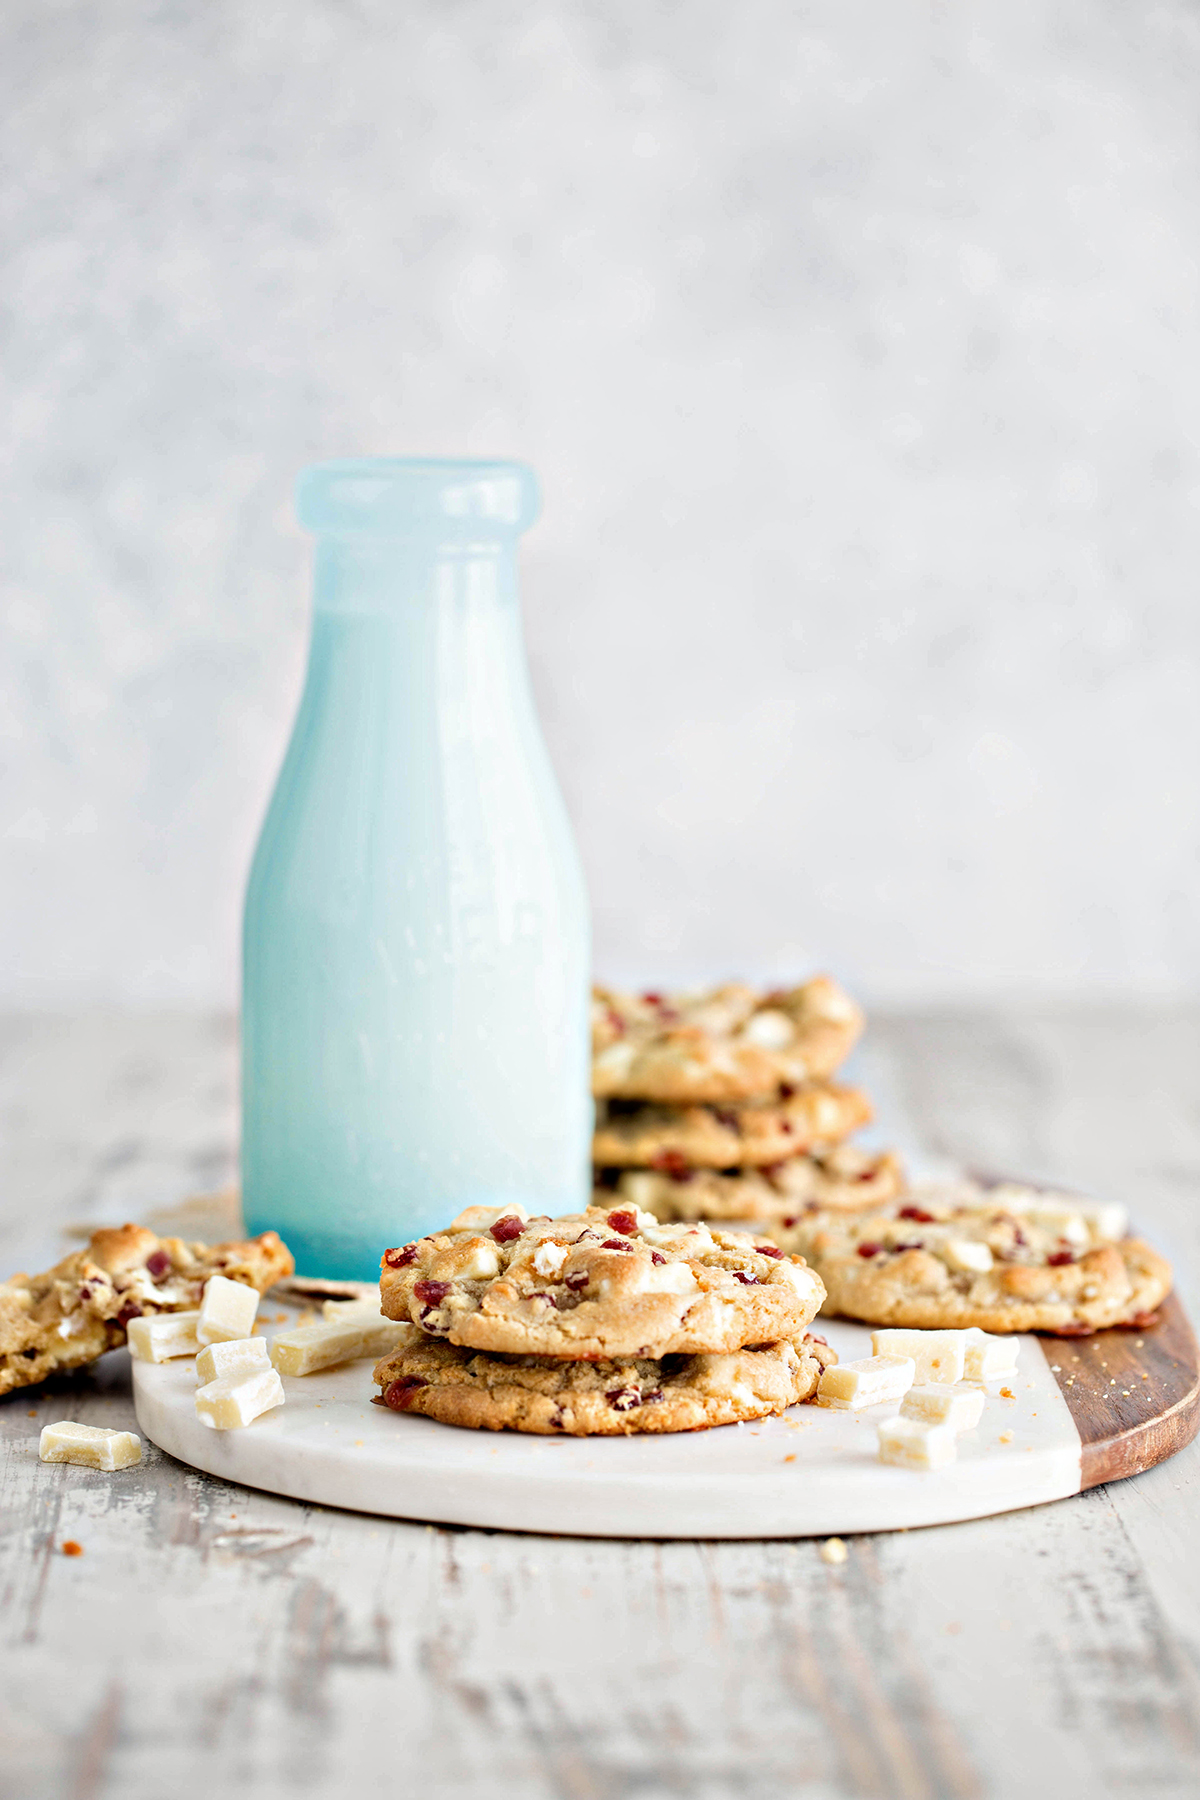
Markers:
<point>457,500</point>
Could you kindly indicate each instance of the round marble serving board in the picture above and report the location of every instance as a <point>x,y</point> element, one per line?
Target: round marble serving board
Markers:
<point>1080,1413</point>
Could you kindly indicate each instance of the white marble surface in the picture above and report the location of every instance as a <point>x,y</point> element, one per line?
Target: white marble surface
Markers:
<point>811,1473</point>
<point>855,346</point>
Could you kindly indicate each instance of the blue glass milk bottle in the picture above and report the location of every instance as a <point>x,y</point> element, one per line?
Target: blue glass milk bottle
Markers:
<point>416,949</point>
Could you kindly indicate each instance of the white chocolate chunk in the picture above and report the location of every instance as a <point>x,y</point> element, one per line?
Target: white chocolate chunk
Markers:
<point>92,1446</point>
<point>988,1358</point>
<point>669,1278</point>
<point>227,1310</point>
<point>238,1399</point>
<point>665,1237</point>
<point>615,1059</point>
<point>915,1444</point>
<point>232,1357</point>
<point>479,1263</point>
<point>798,1274</point>
<point>638,1185</point>
<point>867,1382</point>
<point>940,1404</point>
<point>158,1339</point>
<point>1067,1223</point>
<point>548,1259</point>
<point>967,1254</point>
<point>308,1348</point>
<point>769,1029</point>
<point>480,1218</point>
<point>1107,1218</point>
<point>938,1354</point>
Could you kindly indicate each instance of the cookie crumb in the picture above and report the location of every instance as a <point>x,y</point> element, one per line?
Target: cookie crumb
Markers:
<point>71,1548</point>
<point>791,1458</point>
<point>1006,1437</point>
<point>833,1551</point>
<point>1007,1394</point>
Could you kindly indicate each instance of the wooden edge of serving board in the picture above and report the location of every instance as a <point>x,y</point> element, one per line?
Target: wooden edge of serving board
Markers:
<point>1134,1394</point>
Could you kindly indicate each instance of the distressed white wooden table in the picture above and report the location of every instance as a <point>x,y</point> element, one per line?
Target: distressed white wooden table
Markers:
<point>213,1640</point>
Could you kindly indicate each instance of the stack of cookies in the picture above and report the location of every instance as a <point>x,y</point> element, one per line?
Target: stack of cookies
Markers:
<point>601,1323</point>
<point>719,1105</point>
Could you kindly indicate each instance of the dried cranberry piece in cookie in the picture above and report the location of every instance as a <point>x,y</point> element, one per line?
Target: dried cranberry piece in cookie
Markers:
<point>869,1249</point>
<point>1059,1259</point>
<point>401,1258</point>
<point>623,1399</point>
<point>157,1264</point>
<point>400,1394</point>
<point>432,1293</point>
<point>615,1244</point>
<point>624,1222</point>
<point>127,1312</point>
<point>507,1228</point>
<point>672,1163</point>
<point>916,1213</point>
<point>667,1014</point>
<point>768,1250</point>
<point>746,1279</point>
<point>578,1278</point>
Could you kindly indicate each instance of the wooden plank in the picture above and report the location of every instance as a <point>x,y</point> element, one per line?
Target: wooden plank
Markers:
<point>1134,1395</point>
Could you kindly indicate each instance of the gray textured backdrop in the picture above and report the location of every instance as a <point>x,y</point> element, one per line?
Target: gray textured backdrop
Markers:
<point>856,346</point>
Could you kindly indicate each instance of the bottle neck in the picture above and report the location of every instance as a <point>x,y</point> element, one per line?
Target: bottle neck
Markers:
<point>394,577</point>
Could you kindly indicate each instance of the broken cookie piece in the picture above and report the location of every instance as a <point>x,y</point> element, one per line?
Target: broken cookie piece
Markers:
<point>73,1313</point>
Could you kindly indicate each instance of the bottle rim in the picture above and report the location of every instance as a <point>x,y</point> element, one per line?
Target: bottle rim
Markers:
<point>458,499</point>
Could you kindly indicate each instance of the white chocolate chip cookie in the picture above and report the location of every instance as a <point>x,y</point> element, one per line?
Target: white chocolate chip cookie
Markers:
<point>596,1285</point>
<point>843,1179</point>
<point>674,1139</point>
<point>946,1266</point>
<point>608,1398</point>
<point>728,1043</point>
